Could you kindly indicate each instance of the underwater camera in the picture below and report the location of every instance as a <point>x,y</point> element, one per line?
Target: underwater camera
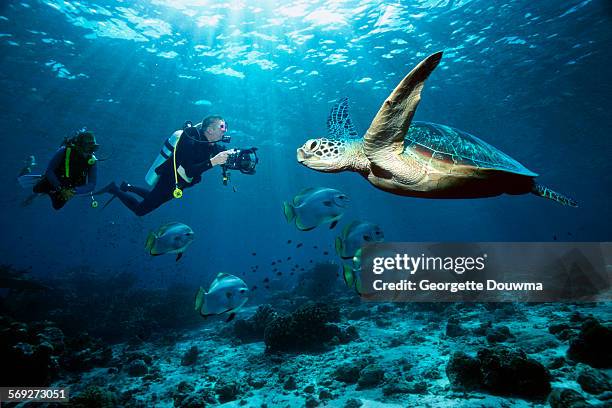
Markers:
<point>244,160</point>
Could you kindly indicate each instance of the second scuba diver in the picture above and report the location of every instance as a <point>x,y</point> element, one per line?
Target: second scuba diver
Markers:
<point>183,158</point>
<point>72,171</point>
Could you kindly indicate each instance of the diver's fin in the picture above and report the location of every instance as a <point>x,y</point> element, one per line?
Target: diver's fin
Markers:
<point>27,181</point>
<point>289,211</point>
<point>546,192</point>
<point>179,256</point>
<point>110,188</point>
<point>333,224</point>
<point>230,317</point>
<point>110,200</point>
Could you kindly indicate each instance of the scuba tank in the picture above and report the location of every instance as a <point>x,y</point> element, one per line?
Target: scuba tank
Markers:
<point>164,154</point>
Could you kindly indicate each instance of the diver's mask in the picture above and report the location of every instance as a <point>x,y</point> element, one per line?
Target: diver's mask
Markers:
<point>196,134</point>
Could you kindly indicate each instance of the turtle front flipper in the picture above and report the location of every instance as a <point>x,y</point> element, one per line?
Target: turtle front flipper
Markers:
<point>384,140</point>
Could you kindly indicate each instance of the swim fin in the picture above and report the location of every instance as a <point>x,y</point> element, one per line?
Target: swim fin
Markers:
<point>27,181</point>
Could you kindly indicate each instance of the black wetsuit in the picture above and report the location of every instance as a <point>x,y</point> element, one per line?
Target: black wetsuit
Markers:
<point>81,177</point>
<point>193,155</point>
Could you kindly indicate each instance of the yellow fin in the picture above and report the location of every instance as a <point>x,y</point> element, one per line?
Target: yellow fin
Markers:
<point>150,241</point>
<point>289,211</point>
<point>338,246</point>
<point>199,299</point>
<point>348,275</point>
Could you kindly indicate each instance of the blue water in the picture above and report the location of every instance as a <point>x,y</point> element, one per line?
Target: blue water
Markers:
<point>531,78</point>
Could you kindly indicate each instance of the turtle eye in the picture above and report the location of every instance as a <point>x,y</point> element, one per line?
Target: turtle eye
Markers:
<point>313,145</point>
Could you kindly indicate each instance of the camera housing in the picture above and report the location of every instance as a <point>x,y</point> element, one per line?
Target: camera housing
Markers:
<point>244,160</point>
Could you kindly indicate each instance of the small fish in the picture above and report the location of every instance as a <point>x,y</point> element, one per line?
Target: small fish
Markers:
<point>253,253</point>
<point>299,245</point>
<point>254,288</point>
<point>266,280</point>
<point>355,235</point>
<point>279,273</point>
<point>267,287</point>
<point>171,238</point>
<point>273,263</point>
<point>288,258</point>
<point>316,206</point>
<point>325,253</point>
<point>288,241</point>
<point>315,247</point>
<point>227,294</point>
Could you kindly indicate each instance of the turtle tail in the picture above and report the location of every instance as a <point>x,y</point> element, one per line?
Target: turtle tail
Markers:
<point>546,192</point>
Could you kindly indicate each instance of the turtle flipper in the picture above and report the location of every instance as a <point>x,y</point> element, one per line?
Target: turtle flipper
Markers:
<point>385,137</point>
<point>546,192</point>
<point>339,124</point>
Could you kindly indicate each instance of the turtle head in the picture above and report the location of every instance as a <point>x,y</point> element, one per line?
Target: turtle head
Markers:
<point>324,155</point>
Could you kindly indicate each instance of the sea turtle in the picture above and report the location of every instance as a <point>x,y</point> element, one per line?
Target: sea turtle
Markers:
<point>418,159</point>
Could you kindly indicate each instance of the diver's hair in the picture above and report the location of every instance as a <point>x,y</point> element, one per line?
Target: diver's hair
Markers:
<point>77,140</point>
<point>209,120</point>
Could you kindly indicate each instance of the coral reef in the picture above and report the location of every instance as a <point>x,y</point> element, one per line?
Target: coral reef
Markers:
<point>307,328</point>
<point>592,344</point>
<point>31,351</point>
<point>94,397</point>
<point>500,370</point>
<point>253,328</point>
<point>128,312</point>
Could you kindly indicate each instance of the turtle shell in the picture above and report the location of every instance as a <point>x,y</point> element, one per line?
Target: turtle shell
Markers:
<point>453,146</point>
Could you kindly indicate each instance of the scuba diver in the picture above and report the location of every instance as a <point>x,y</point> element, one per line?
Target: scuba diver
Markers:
<point>72,171</point>
<point>186,154</point>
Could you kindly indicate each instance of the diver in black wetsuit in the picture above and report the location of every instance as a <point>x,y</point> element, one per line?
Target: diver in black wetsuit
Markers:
<point>195,152</point>
<point>72,171</point>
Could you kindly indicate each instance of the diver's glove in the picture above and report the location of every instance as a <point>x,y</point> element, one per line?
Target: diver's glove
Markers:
<point>67,193</point>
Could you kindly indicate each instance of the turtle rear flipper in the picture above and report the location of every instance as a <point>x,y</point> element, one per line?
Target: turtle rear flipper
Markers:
<point>384,140</point>
<point>546,192</point>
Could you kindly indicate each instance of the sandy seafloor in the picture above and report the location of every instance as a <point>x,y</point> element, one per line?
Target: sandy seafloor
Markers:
<point>410,346</point>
